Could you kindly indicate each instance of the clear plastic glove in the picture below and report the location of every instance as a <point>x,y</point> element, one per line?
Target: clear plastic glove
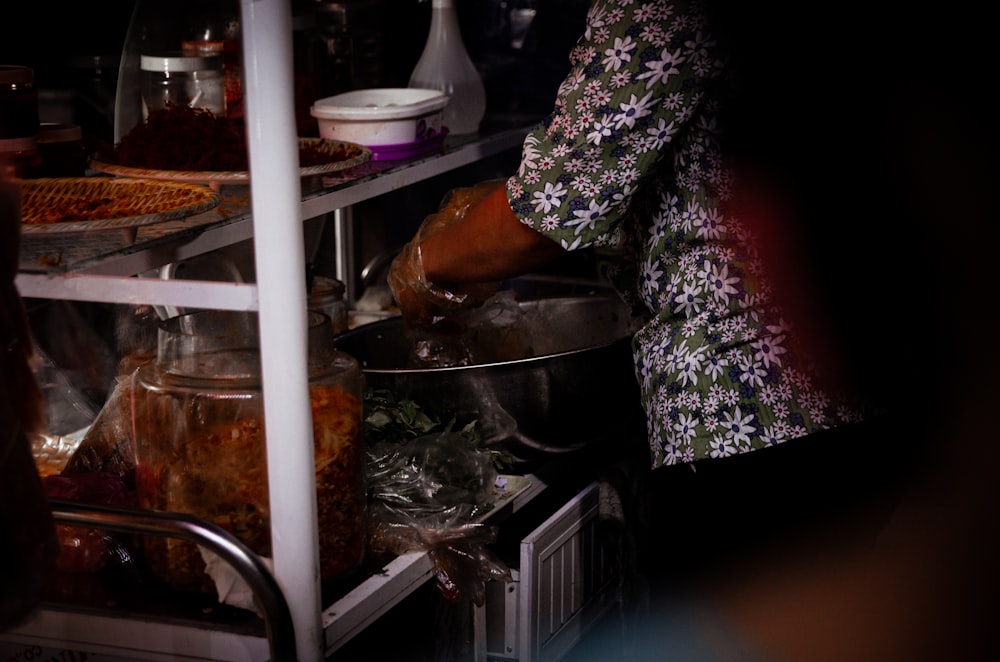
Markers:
<point>422,303</point>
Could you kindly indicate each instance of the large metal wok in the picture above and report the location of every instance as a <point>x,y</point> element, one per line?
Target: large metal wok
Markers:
<point>560,379</point>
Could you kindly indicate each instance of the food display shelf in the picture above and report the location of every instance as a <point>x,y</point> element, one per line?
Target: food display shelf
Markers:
<point>103,267</point>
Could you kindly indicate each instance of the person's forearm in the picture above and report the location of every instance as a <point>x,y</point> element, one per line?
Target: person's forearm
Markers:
<point>489,244</point>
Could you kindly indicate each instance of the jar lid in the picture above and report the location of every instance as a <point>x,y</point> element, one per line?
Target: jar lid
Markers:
<point>174,62</point>
<point>380,104</point>
<point>18,144</point>
<point>54,132</point>
<point>327,287</point>
<point>15,74</point>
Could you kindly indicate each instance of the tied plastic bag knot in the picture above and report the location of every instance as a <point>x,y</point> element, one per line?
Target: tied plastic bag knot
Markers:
<point>425,495</point>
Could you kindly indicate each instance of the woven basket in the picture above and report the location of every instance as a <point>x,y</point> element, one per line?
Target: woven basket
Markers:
<point>88,203</point>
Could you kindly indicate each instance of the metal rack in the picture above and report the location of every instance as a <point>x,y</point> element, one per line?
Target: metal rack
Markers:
<point>106,270</point>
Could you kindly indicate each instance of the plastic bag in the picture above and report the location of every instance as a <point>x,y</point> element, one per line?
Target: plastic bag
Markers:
<point>28,544</point>
<point>425,494</point>
<point>85,549</point>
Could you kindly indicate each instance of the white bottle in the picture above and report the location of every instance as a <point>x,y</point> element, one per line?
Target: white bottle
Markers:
<point>445,65</point>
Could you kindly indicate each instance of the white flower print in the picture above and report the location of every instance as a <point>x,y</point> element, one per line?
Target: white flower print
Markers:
<point>708,224</point>
<point>688,300</point>
<point>546,163</point>
<point>662,69</point>
<point>560,150</point>
<point>571,246</point>
<point>715,366</point>
<point>686,427</point>
<point>601,129</point>
<point>737,426</point>
<point>654,34</point>
<point>550,222</point>
<point>700,45</point>
<point>629,175</point>
<point>529,155</point>
<point>721,447</point>
<point>768,350</point>
<point>751,372</point>
<point>673,101</point>
<point>643,13</point>
<point>587,218</point>
<point>631,111</point>
<point>721,284</point>
<point>620,79</point>
<point>621,52</point>
<point>657,229</point>
<point>772,435</point>
<point>687,371</point>
<point>651,274</point>
<point>550,198</point>
<point>581,183</point>
<point>661,134</point>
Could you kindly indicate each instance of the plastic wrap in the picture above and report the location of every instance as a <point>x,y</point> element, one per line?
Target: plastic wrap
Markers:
<point>426,494</point>
<point>86,549</point>
<point>425,305</point>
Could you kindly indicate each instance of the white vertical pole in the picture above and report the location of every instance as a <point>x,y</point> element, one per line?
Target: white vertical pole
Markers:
<point>275,195</point>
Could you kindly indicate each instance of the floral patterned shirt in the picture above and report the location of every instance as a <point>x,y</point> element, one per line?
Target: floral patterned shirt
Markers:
<point>630,160</point>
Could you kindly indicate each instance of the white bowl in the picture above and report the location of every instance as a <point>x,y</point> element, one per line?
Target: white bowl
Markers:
<point>381,117</point>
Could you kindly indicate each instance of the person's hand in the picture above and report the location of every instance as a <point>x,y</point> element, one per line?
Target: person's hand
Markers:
<point>422,303</point>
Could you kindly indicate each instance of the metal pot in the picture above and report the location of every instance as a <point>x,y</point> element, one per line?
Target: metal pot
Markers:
<point>566,381</point>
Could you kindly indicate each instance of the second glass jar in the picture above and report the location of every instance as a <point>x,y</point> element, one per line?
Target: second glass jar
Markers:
<point>199,435</point>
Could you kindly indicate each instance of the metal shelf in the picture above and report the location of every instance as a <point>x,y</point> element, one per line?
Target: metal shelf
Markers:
<point>103,268</point>
<point>100,268</point>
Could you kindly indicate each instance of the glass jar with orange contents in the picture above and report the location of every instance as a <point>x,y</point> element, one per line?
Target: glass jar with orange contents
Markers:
<point>199,435</point>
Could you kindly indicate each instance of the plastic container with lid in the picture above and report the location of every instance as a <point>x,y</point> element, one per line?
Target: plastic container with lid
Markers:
<point>199,442</point>
<point>393,122</point>
<point>173,78</point>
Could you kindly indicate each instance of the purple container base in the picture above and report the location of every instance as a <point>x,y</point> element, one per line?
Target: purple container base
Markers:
<point>408,150</point>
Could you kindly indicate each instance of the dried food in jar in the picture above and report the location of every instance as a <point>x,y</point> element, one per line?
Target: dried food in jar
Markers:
<point>219,474</point>
<point>164,142</point>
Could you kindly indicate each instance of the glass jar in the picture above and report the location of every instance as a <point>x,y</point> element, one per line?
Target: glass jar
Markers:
<point>18,102</point>
<point>327,297</point>
<point>62,151</point>
<point>177,79</point>
<point>18,121</point>
<point>199,437</point>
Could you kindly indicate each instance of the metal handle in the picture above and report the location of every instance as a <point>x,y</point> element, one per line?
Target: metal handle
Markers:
<point>277,617</point>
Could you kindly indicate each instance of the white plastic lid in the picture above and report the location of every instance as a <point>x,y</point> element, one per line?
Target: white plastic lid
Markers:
<point>15,74</point>
<point>174,62</point>
<point>54,132</point>
<point>384,103</point>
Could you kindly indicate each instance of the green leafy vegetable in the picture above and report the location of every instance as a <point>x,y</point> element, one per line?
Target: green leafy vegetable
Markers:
<point>398,420</point>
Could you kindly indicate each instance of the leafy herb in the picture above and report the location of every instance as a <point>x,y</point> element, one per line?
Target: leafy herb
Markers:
<point>399,420</point>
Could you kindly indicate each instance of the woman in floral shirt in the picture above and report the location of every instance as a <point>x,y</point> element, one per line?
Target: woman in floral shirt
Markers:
<point>857,162</point>
<point>631,161</point>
